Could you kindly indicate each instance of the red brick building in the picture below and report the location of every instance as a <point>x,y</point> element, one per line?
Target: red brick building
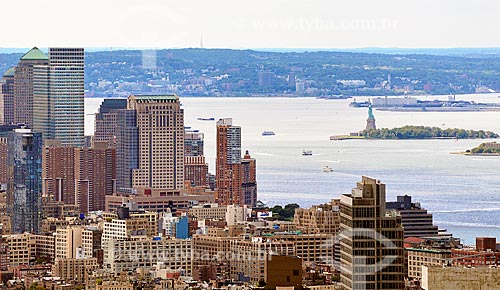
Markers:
<point>95,175</point>
<point>58,172</point>
<point>196,171</point>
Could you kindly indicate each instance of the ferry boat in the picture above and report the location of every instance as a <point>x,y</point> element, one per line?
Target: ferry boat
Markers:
<point>307,153</point>
<point>268,133</point>
<point>327,168</point>
<point>206,119</point>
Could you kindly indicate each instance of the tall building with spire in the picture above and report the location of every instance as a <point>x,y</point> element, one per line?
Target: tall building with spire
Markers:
<point>370,122</point>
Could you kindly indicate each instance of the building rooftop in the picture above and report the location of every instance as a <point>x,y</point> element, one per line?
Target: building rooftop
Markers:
<point>155,98</point>
<point>10,72</point>
<point>34,54</point>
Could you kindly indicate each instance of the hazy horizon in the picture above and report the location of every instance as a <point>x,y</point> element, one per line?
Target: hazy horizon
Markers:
<point>319,24</point>
<point>381,50</point>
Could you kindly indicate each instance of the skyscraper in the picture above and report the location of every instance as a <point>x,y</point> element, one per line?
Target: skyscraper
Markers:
<point>95,175</point>
<point>195,167</point>
<point>23,85</point>
<point>58,96</point>
<point>371,240</point>
<point>127,148</point>
<point>196,171</point>
<point>58,173</point>
<point>249,179</point>
<point>160,123</point>
<point>106,120</point>
<point>7,97</point>
<point>24,180</point>
<point>228,163</point>
<point>193,143</point>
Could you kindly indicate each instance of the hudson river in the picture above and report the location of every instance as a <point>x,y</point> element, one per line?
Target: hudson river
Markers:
<point>462,192</point>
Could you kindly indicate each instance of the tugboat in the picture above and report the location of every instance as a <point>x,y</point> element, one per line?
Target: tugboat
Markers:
<point>307,153</point>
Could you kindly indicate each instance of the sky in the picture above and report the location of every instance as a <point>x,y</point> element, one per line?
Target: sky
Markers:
<point>246,24</point>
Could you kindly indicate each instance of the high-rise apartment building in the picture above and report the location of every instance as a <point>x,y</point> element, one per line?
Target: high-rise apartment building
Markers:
<point>95,175</point>
<point>196,171</point>
<point>7,97</point>
<point>235,176</point>
<point>195,167</point>
<point>24,187</point>
<point>3,162</point>
<point>24,85</point>
<point>58,173</point>
<point>106,120</point>
<point>249,180</point>
<point>160,123</point>
<point>79,176</point>
<point>58,96</point>
<point>228,163</point>
<point>371,240</point>
<point>193,143</point>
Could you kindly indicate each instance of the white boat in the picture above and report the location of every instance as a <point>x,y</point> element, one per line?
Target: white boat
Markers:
<point>327,168</point>
<point>307,153</point>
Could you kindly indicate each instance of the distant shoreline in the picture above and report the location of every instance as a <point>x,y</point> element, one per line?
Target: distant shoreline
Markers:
<point>475,154</point>
<point>347,137</point>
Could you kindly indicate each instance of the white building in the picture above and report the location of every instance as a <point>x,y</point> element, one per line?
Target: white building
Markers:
<point>236,214</point>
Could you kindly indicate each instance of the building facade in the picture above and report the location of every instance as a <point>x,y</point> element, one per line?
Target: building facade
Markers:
<point>24,180</point>
<point>73,242</point>
<point>59,96</point>
<point>7,97</point>
<point>249,180</point>
<point>193,143</point>
<point>95,176</point>
<point>23,85</point>
<point>146,252</point>
<point>319,219</point>
<point>58,173</point>
<point>417,222</point>
<point>160,123</point>
<point>127,148</point>
<point>371,240</point>
<point>106,120</point>
<point>196,171</point>
<point>228,163</point>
